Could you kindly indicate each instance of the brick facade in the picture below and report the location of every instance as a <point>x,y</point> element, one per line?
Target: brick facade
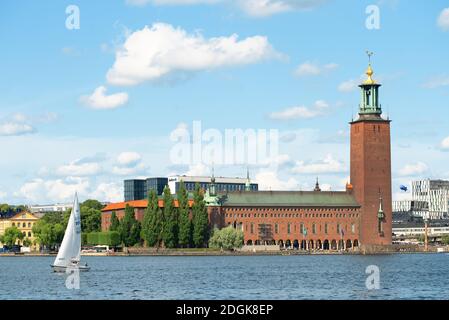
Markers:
<point>371,178</point>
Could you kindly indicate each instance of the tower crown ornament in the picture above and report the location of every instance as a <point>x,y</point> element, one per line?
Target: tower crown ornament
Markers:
<point>369,104</point>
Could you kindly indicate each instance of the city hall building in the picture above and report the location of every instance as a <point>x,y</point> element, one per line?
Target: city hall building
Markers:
<point>317,220</point>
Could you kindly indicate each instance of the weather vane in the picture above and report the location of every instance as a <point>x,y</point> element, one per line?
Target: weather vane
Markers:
<point>369,53</point>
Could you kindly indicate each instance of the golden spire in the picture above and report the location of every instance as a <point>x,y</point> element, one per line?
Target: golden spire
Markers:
<point>369,72</point>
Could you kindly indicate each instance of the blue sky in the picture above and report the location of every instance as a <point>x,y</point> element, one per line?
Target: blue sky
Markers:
<point>84,109</point>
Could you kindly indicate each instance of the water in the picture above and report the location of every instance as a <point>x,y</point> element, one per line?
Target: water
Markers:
<point>414,276</point>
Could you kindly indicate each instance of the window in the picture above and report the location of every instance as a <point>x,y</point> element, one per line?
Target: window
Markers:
<point>314,228</point>
<point>288,228</point>
<point>276,228</point>
<point>24,225</point>
<point>29,234</point>
<point>301,228</point>
<point>325,228</point>
<point>252,227</point>
<point>338,228</point>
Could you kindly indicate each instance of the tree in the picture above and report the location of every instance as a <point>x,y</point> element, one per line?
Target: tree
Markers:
<point>200,219</point>
<point>27,242</point>
<point>445,240</point>
<point>152,221</point>
<point>227,238</point>
<point>129,228</point>
<point>11,235</point>
<point>185,223</point>
<point>170,224</point>
<point>115,222</point>
<point>91,216</point>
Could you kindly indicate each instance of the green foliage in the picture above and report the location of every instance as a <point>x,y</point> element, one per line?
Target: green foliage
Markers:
<point>11,235</point>
<point>4,208</point>
<point>115,222</point>
<point>227,239</point>
<point>49,230</point>
<point>170,224</point>
<point>92,204</point>
<point>110,238</point>
<point>91,215</point>
<point>83,238</point>
<point>185,223</point>
<point>200,219</point>
<point>152,221</point>
<point>129,228</point>
<point>27,242</point>
<point>445,240</point>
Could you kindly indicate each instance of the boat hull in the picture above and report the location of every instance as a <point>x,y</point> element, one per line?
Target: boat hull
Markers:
<point>62,269</point>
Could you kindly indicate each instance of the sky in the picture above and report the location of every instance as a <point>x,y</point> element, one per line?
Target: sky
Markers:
<point>95,92</point>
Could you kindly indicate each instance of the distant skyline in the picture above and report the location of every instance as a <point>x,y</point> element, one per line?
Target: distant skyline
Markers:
<point>84,109</point>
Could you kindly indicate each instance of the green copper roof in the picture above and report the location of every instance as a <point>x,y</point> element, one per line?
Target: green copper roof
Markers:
<point>289,198</point>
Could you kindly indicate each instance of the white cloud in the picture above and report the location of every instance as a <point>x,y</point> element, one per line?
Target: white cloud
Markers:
<point>269,180</point>
<point>263,8</point>
<point>436,82</point>
<point>51,191</point>
<point>99,100</point>
<point>129,163</point>
<point>198,169</point>
<point>301,112</point>
<point>445,144</point>
<point>161,50</point>
<point>313,69</point>
<point>15,129</point>
<point>413,169</point>
<point>129,159</point>
<point>3,195</point>
<point>348,86</point>
<point>443,19</point>
<point>79,169</point>
<point>327,165</point>
<point>109,192</point>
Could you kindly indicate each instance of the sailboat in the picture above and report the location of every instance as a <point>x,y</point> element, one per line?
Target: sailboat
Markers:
<point>69,253</point>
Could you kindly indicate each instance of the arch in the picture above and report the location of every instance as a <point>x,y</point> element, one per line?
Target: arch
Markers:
<point>348,244</point>
<point>280,243</point>
<point>319,245</point>
<point>249,242</point>
<point>288,243</point>
<point>326,245</point>
<point>303,244</point>
<point>258,243</point>
<point>295,244</point>
<point>311,245</point>
<point>356,243</point>
<point>333,245</point>
<point>341,244</point>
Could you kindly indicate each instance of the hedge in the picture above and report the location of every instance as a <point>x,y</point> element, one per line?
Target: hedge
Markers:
<point>110,238</point>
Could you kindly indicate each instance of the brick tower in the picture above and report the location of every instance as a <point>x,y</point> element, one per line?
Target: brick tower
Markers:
<point>371,166</point>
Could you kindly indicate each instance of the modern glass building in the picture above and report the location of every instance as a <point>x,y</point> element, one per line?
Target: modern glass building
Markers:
<point>138,189</point>
<point>222,184</point>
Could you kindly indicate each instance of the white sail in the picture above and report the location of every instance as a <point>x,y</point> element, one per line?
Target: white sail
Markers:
<point>71,244</point>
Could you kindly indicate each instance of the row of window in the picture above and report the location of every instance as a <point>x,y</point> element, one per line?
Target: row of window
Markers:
<point>291,215</point>
<point>292,209</point>
<point>265,228</point>
<point>24,225</point>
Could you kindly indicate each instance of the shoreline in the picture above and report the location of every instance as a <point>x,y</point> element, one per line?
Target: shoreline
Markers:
<point>176,253</point>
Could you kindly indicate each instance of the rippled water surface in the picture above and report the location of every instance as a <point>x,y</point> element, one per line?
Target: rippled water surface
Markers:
<point>414,276</point>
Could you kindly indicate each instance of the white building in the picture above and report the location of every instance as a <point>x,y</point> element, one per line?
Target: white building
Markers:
<point>59,207</point>
<point>436,194</point>
<point>414,207</point>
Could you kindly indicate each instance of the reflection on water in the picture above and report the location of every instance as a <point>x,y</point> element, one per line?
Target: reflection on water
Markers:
<point>414,276</point>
